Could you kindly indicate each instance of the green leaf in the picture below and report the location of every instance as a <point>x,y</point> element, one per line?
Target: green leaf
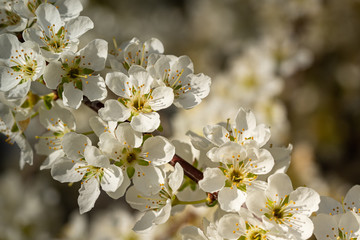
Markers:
<point>130,171</point>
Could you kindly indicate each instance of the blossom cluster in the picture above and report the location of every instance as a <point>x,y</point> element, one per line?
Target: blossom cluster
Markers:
<point>44,75</point>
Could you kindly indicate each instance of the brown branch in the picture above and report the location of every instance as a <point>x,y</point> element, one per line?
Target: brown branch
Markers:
<point>193,173</point>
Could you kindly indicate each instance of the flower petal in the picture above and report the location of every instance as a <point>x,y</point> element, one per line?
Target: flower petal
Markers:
<point>145,122</point>
<point>72,96</point>
<point>94,88</point>
<point>231,199</point>
<point>213,180</point>
<point>88,194</point>
<point>158,150</point>
<point>114,111</point>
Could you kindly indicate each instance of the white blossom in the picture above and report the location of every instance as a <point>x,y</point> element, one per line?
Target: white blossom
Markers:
<point>157,207</point>
<point>134,52</point>
<point>283,207</point>
<point>138,102</point>
<point>53,35</point>
<point>87,164</point>
<point>139,161</point>
<point>21,65</point>
<point>73,75</point>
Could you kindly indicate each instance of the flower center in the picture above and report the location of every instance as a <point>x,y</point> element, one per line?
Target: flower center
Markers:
<point>131,157</point>
<point>24,65</point>
<point>256,234</point>
<point>57,41</point>
<point>139,104</point>
<point>11,18</point>
<point>236,176</point>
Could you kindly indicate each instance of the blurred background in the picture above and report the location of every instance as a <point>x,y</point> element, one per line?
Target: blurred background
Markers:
<point>295,63</point>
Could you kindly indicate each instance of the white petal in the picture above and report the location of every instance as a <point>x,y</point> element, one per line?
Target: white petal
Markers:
<point>94,88</point>
<point>307,198</point>
<point>147,179</point>
<point>114,111</point>
<point>262,161</point>
<point>213,180</point>
<point>94,54</point>
<point>245,119</point>
<point>78,26</point>
<point>145,122</point>
<point>64,170</point>
<point>163,97</point>
<point>145,223</point>
<point>329,205</point>
<point>72,96</point>
<point>53,74</point>
<point>48,15</point>
<point>176,178</point>
<point>325,225</point>
<point>192,233</point>
<point>255,202</point>
<point>279,186</point>
<point>112,179</point>
<point>98,125</point>
<point>109,145</point>
<point>154,45</point>
<point>231,199</point>
<point>216,134</point>
<point>352,198</point>
<point>119,84</point>
<point>8,45</point>
<point>228,226</point>
<point>125,133</point>
<point>120,191</point>
<point>158,150</point>
<point>7,80</point>
<point>26,152</point>
<point>350,223</point>
<point>18,91</point>
<point>88,194</point>
<point>94,157</point>
<point>69,8</point>
<point>74,145</point>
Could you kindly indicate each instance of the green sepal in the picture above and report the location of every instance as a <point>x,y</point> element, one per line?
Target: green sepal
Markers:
<point>60,90</point>
<point>15,128</point>
<point>126,65</point>
<point>242,187</point>
<point>143,163</point>
<point>119,163</point>
<point>211,204</point>
<point>146,136</point>
<point>78,84</point>
<point>77,61</point>
<point>57,134</point>
<point>16,68</point>
<point>228,183</point>
<point>177,87</point>
<point>160,128</point>
<point>26,104</point>
<point>87,71</point>
<point>130,171</point>
<point>47,102</point>
<point>242,238</point>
